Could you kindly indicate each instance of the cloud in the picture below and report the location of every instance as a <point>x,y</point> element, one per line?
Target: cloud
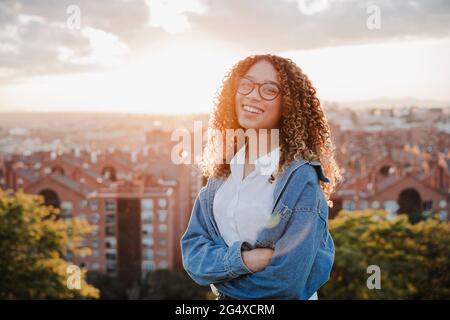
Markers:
<point>126,19</point>
<point>266,25</point>
<point>35,40</point>
<point>34,47</point>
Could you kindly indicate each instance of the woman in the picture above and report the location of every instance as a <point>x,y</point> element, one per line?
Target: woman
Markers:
<point>259,229</point>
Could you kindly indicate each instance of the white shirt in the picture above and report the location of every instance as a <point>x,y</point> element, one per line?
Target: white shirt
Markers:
<point>242,207</point>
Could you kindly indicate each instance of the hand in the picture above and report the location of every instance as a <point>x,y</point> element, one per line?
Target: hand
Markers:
<point>257,259</point>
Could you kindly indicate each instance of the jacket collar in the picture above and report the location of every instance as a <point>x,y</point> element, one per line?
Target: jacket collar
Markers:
<point>214,183</point>
<point>282,180</point>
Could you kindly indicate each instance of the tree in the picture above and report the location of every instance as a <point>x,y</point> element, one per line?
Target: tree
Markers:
<point>33,242</point>
<point>171,284</point>
<point>111,287</point>
<point>156,285</point>
<point>413,258</point>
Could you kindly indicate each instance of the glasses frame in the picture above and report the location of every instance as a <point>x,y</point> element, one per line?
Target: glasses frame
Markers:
<point>259,84</point>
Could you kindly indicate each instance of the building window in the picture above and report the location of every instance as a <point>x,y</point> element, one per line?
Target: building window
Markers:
<point>442,204</point>
<point>95,217</point>
<point>147,229</point>
<point>364,205</point>
<point>66,208</point>
<point>94,205</point>
<point>147,242</point>
<point>163,227</point>
<point>110,243</point>
<point>82,216</point>
<point>162,242</point>
<point>110,230</point>
<point>95,253</point>
<point>147,204</point>
<point>110,218</point>
<point>110,205</point>
<point>162,203</point>
<point>147,216</point>
<point>391,206</point>
<point>148,266</point>
<point>163,264</point>
<point>162,252</point>
<point>95,243</point>
<point>94,232</point>
<point>110,256</point>
<point>83,204</point>
<point>110,266</point>
<point>348,205</point>
<point>427,205</point>
<point>148,254</point>
<point>376,204</point>
<point>95,266</point>
<point>162,215</point>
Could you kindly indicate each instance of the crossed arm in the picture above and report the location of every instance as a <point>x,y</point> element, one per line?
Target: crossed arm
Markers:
<point>259,273</point>
<point>205,260</point>
<point>209,262</point>
<point>286,274</point>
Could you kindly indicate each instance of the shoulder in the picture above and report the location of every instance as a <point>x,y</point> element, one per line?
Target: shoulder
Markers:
<point>202,194</point>
<point>303,191</point>
<point>306,172</point>
<point>309,171</point>
<point>212,184</point>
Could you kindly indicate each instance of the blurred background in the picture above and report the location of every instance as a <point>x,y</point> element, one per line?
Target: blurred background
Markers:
<point>91,92</point>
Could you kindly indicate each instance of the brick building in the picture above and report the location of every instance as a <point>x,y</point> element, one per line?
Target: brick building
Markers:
<point>403,180</point>
<point>138,204</point>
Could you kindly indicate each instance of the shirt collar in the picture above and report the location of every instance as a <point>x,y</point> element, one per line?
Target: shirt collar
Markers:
<point>268,163</point>
<point>264,165</point>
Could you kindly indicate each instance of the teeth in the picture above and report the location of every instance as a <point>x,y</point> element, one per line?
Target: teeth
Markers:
<point>252,110</point>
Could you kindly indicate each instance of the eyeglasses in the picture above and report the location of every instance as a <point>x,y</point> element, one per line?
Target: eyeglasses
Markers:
<point>267,90</point>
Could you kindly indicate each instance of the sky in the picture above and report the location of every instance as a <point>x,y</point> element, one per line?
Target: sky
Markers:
<point>166,56</point>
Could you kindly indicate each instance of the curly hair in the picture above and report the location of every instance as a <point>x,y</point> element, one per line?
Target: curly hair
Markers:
<point>303,132</point>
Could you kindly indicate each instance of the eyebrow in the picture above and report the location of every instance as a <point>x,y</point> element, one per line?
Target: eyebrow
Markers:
<point>264,81</point>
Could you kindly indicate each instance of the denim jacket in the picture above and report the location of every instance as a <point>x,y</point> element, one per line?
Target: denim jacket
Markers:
<point>297,231</point>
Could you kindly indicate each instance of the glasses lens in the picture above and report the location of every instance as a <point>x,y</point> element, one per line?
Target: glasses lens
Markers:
<point>245,86</point>
<point>269,91</point>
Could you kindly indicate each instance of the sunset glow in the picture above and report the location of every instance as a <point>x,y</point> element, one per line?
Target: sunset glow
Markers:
<point>176,58</point>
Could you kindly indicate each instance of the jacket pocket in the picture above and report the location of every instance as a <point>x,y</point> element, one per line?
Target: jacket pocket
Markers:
<point>323,210</point>
<point>274,227</point>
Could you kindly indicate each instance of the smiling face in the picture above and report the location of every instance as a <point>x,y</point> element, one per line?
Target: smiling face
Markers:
<point>252,110</point>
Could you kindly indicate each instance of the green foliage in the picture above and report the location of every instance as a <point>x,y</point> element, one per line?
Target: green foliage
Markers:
<point>170,284</point>
<point>156,285</point>
<point>413,258</point>
<point>111,288</point>
<point>33,242</point>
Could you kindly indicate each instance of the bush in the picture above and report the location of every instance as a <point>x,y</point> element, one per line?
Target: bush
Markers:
<point>111,287</point>
<point>171,284</point>
<point>156,285</point>
<point>413,258</point>
<point>33,243</point>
